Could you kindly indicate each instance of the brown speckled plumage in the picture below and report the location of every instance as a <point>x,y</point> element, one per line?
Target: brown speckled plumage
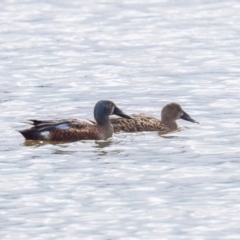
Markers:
<point>74,134</point>
<point>66,130</point>
<point>142,122</point>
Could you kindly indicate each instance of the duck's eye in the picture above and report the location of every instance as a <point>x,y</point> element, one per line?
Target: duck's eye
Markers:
<point>110,104</point>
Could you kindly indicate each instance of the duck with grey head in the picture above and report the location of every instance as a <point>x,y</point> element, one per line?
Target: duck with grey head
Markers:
<point>66,130</point>
<point>141,122</point>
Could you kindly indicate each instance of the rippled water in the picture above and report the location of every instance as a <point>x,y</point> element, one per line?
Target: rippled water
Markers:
<point>58,58</point>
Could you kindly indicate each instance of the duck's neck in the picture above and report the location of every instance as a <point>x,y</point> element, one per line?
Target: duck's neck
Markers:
<point>169,122</point>
<point>102,121</point>
<point>105,128</point>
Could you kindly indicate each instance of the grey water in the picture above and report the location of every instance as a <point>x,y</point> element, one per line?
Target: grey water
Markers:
<point>58,58</point>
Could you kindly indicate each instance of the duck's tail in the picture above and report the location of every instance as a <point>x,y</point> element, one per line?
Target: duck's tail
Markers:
<point>41,129</point>
<point>30,134</point>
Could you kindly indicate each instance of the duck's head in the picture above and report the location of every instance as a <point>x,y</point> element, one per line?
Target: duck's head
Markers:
<point>173,111</point>
<point>104,108</point>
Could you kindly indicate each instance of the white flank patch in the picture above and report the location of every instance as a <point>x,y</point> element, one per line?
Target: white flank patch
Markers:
<point>45,134</point>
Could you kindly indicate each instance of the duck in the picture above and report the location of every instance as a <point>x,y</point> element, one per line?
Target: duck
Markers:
<point>142,122</point>
<point>69,130</point>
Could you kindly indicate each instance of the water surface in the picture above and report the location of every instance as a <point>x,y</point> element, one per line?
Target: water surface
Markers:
<point>59,58</point>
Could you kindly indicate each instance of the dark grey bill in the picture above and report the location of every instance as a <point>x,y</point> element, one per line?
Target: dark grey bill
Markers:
<point>186,117</point>
<point>120,113</point>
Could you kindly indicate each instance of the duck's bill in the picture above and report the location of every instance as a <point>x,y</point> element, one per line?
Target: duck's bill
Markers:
<point>186,117</point>
<point>120,113</point>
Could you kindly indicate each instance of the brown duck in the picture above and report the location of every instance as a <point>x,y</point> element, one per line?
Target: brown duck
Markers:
<point>73,129</point>
<point>141,122</point>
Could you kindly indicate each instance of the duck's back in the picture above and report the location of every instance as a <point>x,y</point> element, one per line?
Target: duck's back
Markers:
<point>141,122</point>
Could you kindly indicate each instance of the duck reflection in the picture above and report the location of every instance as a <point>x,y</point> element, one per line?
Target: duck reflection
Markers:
<point>100,147</point>
<point>38,143</point>
<point>97,146</point>
<point>102,144</point>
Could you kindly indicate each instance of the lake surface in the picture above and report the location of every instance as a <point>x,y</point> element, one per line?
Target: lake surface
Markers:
<point>58,58</point>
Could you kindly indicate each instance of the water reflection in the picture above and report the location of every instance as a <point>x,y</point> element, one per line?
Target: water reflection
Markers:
<point>103,144</point>
<point>62,152</point>
<point>165,135</point>
<point>168,137</point>
<point>30,143</point>
<point>142,55</point>
<point>39,143</point>
<point>96,146</point>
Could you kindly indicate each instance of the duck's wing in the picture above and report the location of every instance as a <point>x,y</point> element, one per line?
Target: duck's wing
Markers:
<point>54,129</point>
<point>141,122</point>
<point>73,123</point>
